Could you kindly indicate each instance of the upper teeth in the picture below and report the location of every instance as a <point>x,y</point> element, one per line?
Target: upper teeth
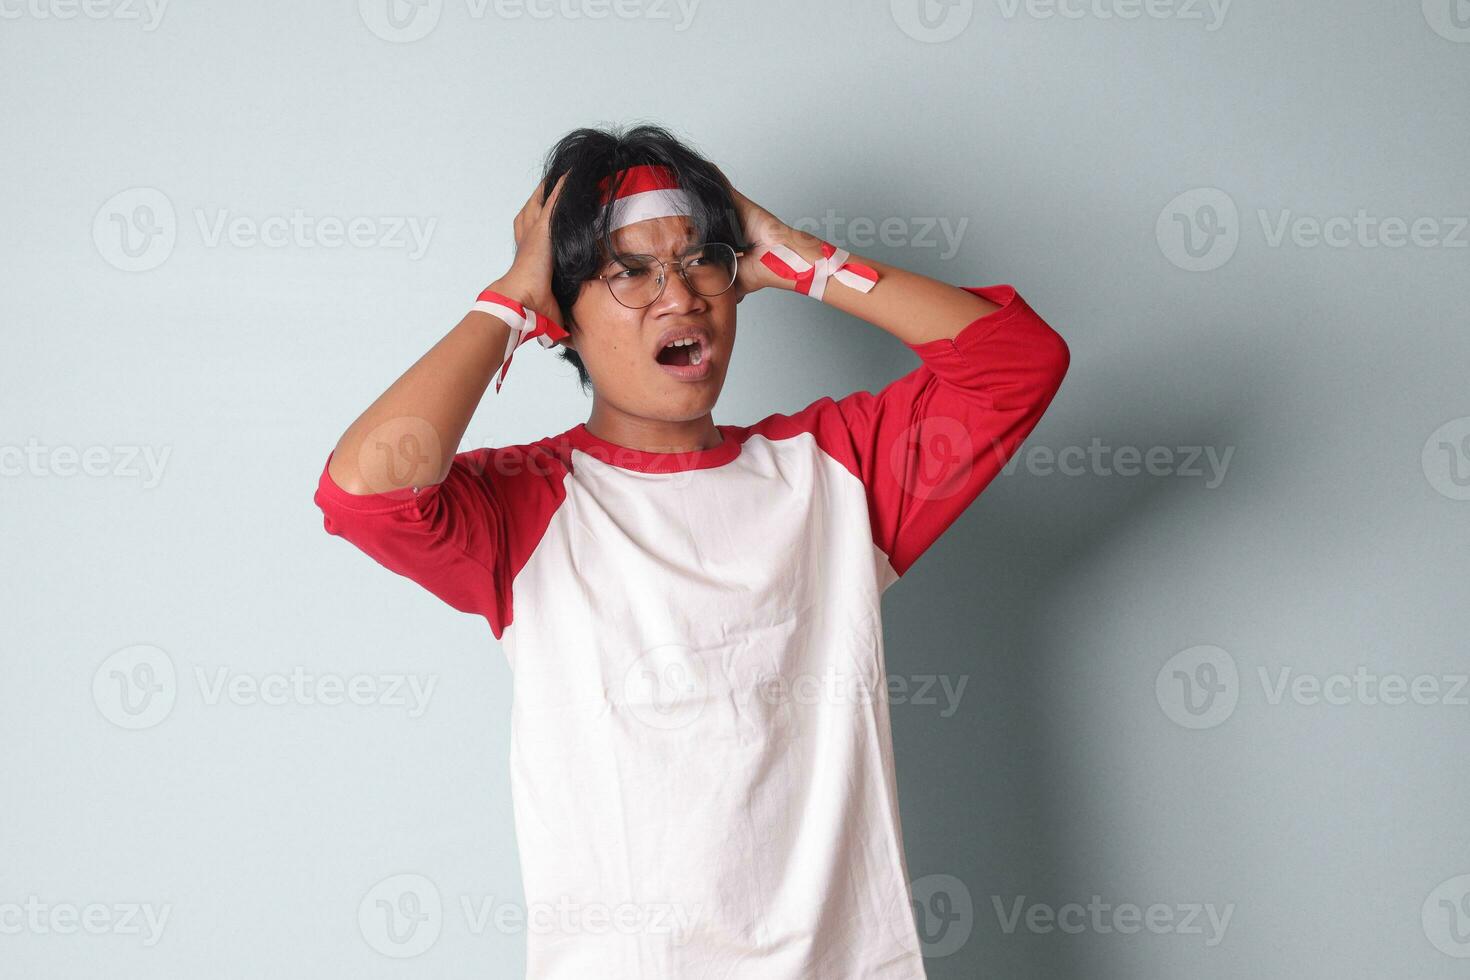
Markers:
<point>696,356</point>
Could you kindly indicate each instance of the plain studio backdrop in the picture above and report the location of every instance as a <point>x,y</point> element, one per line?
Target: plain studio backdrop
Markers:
<point>1182,695</point>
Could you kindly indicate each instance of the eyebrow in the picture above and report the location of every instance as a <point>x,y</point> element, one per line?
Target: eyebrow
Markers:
<point>613,260</point>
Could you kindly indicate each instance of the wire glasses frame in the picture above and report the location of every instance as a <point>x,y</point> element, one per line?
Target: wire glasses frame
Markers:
<point>632,262</point>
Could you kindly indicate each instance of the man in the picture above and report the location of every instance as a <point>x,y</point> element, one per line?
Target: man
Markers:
<point>701,748</point>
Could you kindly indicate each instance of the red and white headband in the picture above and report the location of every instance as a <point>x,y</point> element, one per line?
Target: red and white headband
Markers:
<point>647,191</point>
<point>651,191</point>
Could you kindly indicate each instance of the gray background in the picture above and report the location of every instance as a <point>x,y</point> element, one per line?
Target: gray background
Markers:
<point>1075,606</point>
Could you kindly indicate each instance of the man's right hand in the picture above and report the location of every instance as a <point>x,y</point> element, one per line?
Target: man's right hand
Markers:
<point>528,281</point>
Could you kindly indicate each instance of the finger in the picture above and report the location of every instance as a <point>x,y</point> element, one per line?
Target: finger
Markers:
<point>534,200</point>
<point>552,197</point>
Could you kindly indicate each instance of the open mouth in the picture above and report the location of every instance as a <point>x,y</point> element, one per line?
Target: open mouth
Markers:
<point>688,352</point>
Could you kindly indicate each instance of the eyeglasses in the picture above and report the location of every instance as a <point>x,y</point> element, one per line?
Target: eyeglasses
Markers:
<point>708,269</point>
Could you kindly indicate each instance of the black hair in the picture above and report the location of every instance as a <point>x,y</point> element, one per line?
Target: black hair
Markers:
<point>581,239</point>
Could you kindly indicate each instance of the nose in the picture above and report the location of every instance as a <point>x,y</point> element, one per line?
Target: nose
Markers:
<point>678,297</point>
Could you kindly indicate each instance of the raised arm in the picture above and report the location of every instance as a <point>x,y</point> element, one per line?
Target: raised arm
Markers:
<point>914,308</point>
<point>408,437</point>
<point>929,442</point>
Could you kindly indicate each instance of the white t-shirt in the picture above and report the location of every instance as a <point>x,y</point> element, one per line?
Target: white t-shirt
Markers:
<point>701,764</point>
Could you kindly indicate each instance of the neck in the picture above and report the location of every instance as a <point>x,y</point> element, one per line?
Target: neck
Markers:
<point>653,435</point>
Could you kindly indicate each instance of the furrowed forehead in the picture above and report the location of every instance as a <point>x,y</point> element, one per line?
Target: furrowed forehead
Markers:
<point>657,236</point>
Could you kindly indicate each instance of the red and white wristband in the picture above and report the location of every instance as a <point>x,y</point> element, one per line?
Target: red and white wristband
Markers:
<point>811,278</point>
<point>524,325</point>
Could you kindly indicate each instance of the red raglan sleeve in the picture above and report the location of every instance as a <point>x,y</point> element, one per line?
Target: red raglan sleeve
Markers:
<point>451,538</point>
<point>929,443</point>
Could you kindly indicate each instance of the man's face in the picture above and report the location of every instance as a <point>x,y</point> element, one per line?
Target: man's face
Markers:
<point>623,349</point>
